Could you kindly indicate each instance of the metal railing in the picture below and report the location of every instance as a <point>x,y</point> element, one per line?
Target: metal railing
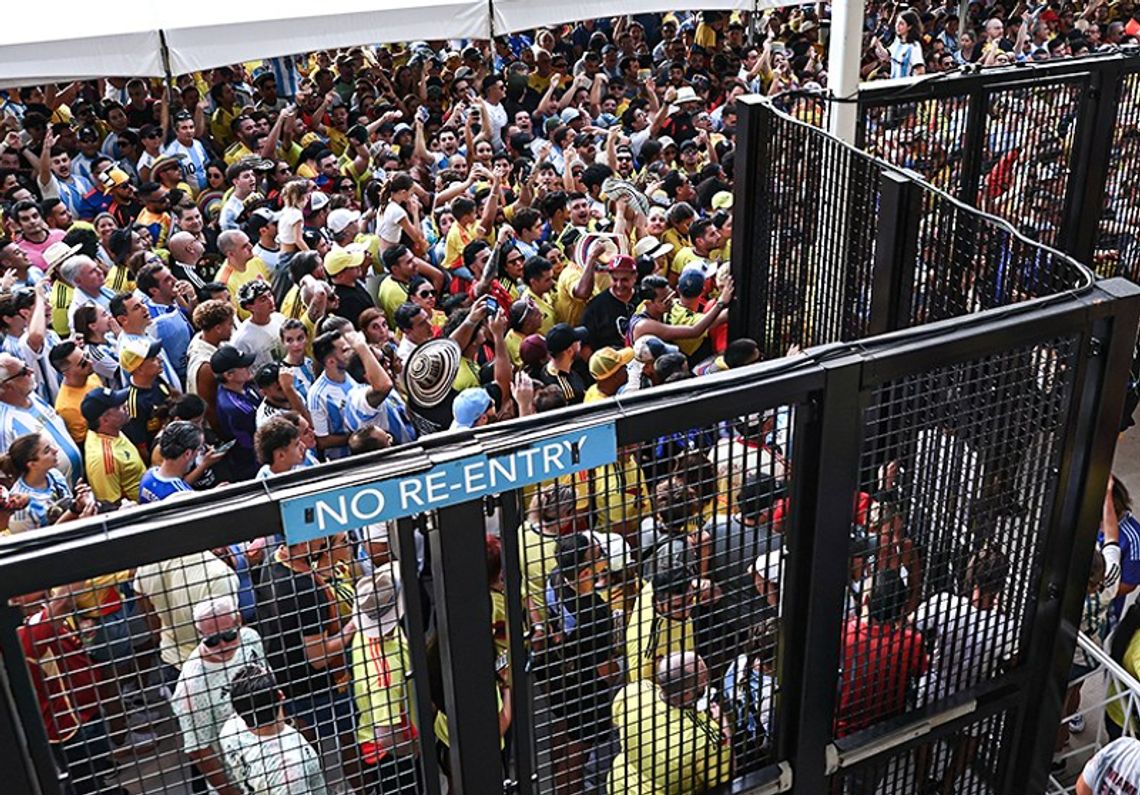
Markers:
<point>1126,692</point>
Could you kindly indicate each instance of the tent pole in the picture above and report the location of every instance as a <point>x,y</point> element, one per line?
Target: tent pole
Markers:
<point>844,59</point>
<point>165,50</point>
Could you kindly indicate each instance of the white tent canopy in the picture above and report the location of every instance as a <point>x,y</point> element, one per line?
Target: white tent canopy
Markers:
<point>211,33</point>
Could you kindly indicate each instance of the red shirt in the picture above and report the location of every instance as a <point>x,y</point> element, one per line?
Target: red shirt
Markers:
<point>62,674</point>
<point>878,662</point>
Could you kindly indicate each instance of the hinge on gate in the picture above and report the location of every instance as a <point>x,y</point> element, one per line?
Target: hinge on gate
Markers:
<point>1096,347</point>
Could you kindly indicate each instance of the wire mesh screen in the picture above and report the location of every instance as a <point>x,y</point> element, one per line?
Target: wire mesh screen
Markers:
<point>255,668</point>
<point>959,467</point>
<point>1118,246</point>
<point>823,200</point>
<point>927,137</point>
<point>651,588</point>
<point>1027,153</point>
<point>970,762</point>
<point>967,263</point>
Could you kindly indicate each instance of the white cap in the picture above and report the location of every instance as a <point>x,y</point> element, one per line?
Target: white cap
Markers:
<point>340,218</point>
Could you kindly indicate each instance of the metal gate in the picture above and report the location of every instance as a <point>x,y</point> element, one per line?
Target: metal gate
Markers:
<point>1047,146</point>
<point>757,580</point>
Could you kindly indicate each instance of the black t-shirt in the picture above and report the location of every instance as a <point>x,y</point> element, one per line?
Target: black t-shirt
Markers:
<point>607,318</point>
<point>572,384</point>
<point>141,404</point>
<point>291,606</point>
<point>353,300</point>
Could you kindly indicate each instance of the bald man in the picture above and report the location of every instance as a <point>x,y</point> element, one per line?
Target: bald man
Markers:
<point>668,744</point>
<point>186,252</point>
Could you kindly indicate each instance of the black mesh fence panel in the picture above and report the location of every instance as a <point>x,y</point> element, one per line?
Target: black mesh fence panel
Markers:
<point>823,199</point>
<point>959,467</point>
<point>1027,153</point>
<point>970,762</point>
<point>927,137</point>
<point>252,668</point>
<point>1118,245</point>
<point>651,588</point>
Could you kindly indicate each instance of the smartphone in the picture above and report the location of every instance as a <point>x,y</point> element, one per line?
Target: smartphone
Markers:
<point>778,46</point>
<point>643,74</point>
<point>422,114</point>
<point>492,306</point>
<point>225,446</point>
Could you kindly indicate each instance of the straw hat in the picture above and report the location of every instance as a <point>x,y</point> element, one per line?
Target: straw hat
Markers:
<point>430,372</point>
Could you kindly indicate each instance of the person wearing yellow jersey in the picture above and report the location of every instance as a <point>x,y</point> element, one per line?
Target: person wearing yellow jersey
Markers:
<point>687,328</point>
<point>78,378</point>
<point>538,276</point>
<point>679,219</point>
<point>240,265</point>
<point>382,687</point>
<point>661,622</point>
<point>551,513</point>
<point>668,744</point>
<point>227,110</point>
<point>576,285</point>
<point>525,319</point>
<point>705,238</point>
<point>608,369</point>
<point>113,465</point>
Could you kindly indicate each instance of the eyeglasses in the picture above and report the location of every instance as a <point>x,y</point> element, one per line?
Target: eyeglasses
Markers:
<point>282,171</point>
<point>25,370</point>
<point>218,638</point>
<point>515,260</point>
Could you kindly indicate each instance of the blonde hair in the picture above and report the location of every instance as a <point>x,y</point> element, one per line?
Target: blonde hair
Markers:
<point>294,193</point>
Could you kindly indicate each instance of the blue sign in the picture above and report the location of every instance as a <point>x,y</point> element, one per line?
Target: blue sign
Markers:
<point>461,480</point>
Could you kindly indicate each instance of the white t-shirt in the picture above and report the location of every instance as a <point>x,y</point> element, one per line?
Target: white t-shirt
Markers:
<point>389,227</point>
<point>1115,769</point>
<point>286,223</point>
<point>284,764</point>
<point>967,644</point>
<point>496,120</point>
<point>264,342</point>
<point>202,697</point>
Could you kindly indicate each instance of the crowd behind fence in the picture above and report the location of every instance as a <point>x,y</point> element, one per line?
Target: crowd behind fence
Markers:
<point>835,244</point>
<point>645,625</point>
<point>1047,147</point>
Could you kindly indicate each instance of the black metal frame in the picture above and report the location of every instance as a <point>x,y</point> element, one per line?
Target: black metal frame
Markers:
<point>830,391</point>
<point>1097,118</point>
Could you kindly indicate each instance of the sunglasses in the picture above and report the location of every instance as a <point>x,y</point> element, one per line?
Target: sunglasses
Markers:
<point>212,641</point>
<point>425,293</point>
<point>25,370</point>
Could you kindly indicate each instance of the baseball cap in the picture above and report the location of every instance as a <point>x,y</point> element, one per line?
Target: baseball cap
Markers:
<point>721,200</point>
<point>569,114</point>
<point>666,142</point>
<point>251,291</point>
<point>562,335</point>
<point>622,262</point>
<point>607,361</point>
<point>378,605</point>
<point>768,565</point>
<point>533,351</point>
<point>136,350</point>
<point>258,220</point>
<point>339,259</point>
<point>112,178</point>
<point>317,201</point>
<point>97,401</point>
<point>340,218</point>
<point>647,348</point>
<point>691,283</point>
<point>469,406</point>
<point>228,357</point>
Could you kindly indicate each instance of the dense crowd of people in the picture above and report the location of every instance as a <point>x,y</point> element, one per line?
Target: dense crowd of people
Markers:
<point>262,267</point>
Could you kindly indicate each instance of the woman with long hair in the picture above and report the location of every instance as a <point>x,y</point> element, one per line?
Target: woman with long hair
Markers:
<point>31,460</point>
<point>905,52</point>
<point>96,327</point>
